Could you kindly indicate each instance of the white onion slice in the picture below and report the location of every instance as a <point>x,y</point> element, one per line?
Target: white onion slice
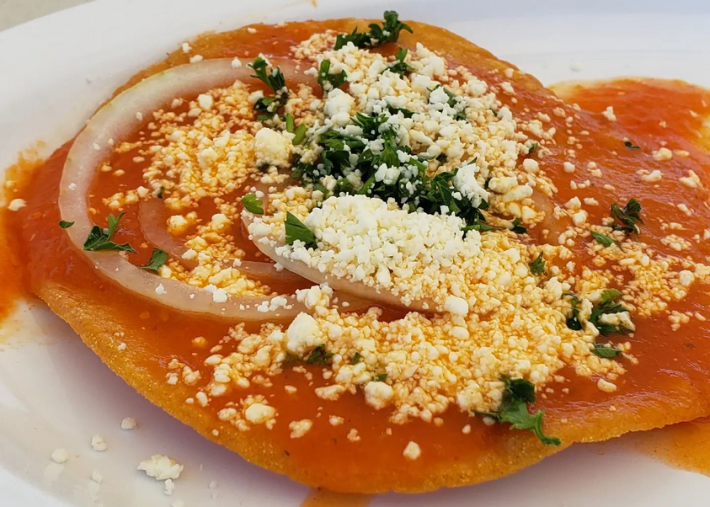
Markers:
<point>150,219</point>
<point>115,121</point>
<point>341,285</point>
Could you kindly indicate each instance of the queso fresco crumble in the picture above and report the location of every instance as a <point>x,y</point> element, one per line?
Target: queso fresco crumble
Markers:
<point>397,176</point>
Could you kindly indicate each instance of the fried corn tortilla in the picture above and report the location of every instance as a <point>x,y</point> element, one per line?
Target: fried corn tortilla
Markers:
<point>659,377</point>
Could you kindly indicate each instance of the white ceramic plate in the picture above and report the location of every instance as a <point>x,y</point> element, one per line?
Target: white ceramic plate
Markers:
<point>55,393</point>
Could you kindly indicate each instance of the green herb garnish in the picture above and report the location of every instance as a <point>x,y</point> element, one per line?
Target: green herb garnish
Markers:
<point>380,378</point>
<point>275,80</point>
<point>252,204</point>
<point>157,259</point>
<point>514,410</point>
<point>319,355</point>
<point>299,134</point>
<point>628,216</point>
<point>356,358</point>
<point>64,224</point>
<point>400,66</point>
<point>378,34</point>
<point>414,189</point>
<point>328,81</point>
<point>607,306</point>
<point>573,321</point>
<point>605,350</point>
<point>631,145</point>
<point>99,239</point>
<point>454,102</point>
<point>290,124</point>
<point>297,231</point>
<point>603,239</point>
<point>538,265</point>
<point>406,113</point>
<point>518,227</point>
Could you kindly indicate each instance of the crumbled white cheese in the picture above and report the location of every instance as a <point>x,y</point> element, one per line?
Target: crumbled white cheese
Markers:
<point>609,113</point>
<point>16,204</point>
<point>653,176</point>
<point>378,394</point>
<point>300,428</point>
<point>259,413</point>
<point>161,467</point>
<point>60,456</point>
<point>338,105</point>
<point>412,451</point>
<point>662,154</point>
<point>272,148</point>
<point>128,423</point>
<point>465,182</point>
<point>456,305</point>
<point>303,334</point>
<point>98,443</point>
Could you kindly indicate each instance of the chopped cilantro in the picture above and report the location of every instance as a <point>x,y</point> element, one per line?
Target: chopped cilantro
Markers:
<point>328,81</point>
<point>405,112</point>
<point>573,320</point>
<point>538,265</point>
<point>413,188</point>
<point>482,226</point>
<point>356,358</point>
<point>631,145</point>
<point>628,216</point>
<point>518,227</point>
<point>607,306</point>
<point>378,34</point>
<point>319,355</point>
<point>99,239</point>
<point>252,204</point>
<point>603,239</point>
<point>605,350</point>
<point>290,125</point>
<point>400,66</point>
<point>299,134</point>
<point>64,224</point>
<point>454,102</point>
<point>514,410</point>
<point>359,39</point>
<point>321,189</point>
<point>157,259</point>
<point>276,81</point>
<point>370,125</point>
<point>297,231</point>
<point>380,378</point>
<point>534,146</point>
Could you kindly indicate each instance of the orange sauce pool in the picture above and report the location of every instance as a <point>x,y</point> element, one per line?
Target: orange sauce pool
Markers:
<point>670,383</point>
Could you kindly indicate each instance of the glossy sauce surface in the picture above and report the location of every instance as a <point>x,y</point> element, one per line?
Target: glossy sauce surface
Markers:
<point>670,382</point>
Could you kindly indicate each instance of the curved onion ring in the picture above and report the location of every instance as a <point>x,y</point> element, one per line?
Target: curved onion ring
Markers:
<point>116,120</point>
<point>356,289</point>
<point>150,214</point>
<point>150,219</point>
